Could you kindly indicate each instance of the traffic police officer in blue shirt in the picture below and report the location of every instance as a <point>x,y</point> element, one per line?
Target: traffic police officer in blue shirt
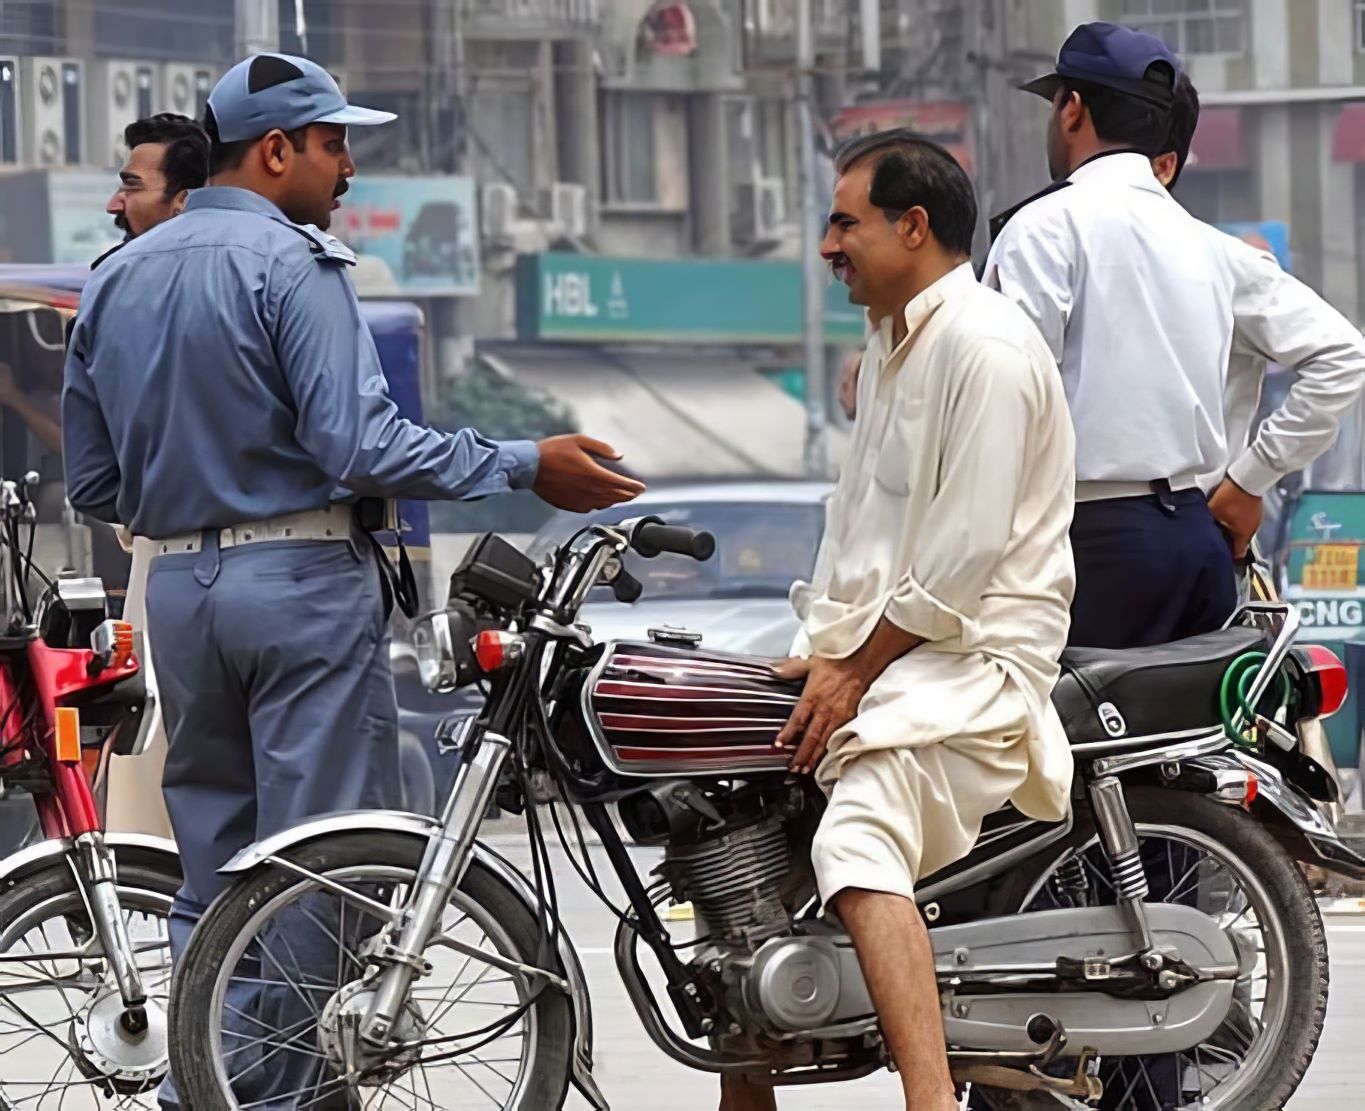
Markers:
<point>224,398</point>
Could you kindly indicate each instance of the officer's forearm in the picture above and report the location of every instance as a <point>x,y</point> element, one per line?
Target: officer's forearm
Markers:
<point>407,461</point>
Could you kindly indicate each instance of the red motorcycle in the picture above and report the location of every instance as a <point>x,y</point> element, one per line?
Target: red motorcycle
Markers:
<point>84,945</point>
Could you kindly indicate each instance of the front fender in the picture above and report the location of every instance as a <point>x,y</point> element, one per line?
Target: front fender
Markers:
<point>156,852</point>
<point>1293,808</point>
<point>418,825</point>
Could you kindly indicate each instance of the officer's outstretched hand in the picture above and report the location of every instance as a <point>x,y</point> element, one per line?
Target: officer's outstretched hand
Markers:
<point>570,476</point>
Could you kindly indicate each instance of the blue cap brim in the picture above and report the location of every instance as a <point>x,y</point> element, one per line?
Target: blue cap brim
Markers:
<point>353,116</point>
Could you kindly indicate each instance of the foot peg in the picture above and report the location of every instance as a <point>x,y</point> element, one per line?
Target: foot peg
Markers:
<point>1012,1083</point>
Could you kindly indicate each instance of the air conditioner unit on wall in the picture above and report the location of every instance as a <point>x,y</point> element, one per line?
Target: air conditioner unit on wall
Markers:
<point>52,99</point>
<point>11,119</point>
<point>185,88</point>
<point>120,92</point>
<point>498,212</point>
<point>774,18</point>
<point>569,209</point>
<point>760,210</point>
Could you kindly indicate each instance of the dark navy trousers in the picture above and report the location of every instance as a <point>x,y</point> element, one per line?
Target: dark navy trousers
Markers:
<point>1149,570</point>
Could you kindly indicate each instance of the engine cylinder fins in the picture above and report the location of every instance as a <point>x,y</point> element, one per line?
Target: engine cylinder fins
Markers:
<point>734,880</point>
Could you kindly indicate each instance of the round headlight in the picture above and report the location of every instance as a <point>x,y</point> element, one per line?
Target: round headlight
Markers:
<point>432,641</point>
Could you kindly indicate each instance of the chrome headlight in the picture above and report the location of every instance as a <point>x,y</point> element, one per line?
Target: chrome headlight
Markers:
<point>434,643</point>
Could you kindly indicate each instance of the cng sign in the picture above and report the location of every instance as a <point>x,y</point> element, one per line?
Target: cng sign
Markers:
<point>1337,618</point>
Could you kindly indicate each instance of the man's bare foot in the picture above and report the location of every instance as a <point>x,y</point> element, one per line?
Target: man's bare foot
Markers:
<point>739,1093</point>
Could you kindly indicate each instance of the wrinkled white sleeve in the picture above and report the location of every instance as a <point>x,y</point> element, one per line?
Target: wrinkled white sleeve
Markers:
<point>1033,263</point>
<point>803,593</point>
<point>981,468</point>
<point>1279,318</point>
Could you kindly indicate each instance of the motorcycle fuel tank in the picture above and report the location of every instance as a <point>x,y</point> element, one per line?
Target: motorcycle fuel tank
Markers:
<point>657,709</point>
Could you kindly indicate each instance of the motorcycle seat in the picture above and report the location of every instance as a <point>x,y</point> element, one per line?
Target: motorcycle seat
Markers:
<point>1161,689</point>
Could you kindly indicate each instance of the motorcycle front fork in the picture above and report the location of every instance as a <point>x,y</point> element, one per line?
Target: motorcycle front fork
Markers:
<point>443,865</point>
<point>92,862</point>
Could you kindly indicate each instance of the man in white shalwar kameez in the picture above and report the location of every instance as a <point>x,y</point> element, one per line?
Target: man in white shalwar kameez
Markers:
<point>939,604</point>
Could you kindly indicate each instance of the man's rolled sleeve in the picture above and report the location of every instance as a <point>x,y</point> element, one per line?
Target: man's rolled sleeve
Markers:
<point>1280,319</point>
<point>916,611</point>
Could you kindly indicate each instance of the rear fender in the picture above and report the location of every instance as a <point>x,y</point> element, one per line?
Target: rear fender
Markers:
<point>1312,837</point>
<point>422,827</point>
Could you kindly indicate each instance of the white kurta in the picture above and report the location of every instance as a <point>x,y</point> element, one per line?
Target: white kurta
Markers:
<point>950,519</point>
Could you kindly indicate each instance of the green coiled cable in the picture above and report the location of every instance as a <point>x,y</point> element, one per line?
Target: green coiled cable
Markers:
<point>1232,694</point>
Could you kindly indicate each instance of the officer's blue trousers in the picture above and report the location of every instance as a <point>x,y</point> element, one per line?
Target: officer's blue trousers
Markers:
<point>272,662</point>
<point>1149,570</point>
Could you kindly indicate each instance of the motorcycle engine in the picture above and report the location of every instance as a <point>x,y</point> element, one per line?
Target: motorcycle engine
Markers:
<point>739,854</point>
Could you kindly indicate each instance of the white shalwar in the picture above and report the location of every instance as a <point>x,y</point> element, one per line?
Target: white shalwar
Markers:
<point>950,519</point>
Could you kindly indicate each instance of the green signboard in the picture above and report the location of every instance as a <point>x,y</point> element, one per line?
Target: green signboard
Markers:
<point>595,299</point>
<point>1327,585</point>
<point>1326,574</point>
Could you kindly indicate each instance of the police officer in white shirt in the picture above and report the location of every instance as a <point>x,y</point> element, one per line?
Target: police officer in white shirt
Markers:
<point>1277,319</point>
<point>1135,299</point>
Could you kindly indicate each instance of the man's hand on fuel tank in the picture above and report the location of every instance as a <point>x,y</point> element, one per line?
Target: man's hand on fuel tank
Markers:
<point>570,476</point>
<point>833,690</point>
<point>1238,512</point>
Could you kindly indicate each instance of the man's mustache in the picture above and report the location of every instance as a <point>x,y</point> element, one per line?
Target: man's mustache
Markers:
<point>342,187</point>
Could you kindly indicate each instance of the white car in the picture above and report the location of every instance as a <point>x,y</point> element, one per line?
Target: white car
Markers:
<point>767,534</point>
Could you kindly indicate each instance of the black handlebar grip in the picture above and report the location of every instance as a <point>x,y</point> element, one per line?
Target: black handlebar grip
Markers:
<point>654,538</point>
<point>626,587</point>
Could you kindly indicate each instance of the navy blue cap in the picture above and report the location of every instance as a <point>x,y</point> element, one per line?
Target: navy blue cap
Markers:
<point>267,91</point>
<point>1114,57</point>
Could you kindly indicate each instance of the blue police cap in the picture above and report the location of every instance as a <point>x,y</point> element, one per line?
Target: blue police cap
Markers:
<point>1116,58</point>
<point>267,91</point>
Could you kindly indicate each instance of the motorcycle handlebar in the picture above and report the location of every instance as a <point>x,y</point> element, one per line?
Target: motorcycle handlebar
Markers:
<point>653,538</point>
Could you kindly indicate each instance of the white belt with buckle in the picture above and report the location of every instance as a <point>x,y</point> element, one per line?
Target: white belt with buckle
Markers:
<point>1104,491</point>
<point>332,523</point>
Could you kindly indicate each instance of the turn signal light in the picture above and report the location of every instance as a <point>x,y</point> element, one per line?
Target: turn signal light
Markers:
<point>68,730</point>
<point>496,648</point>
<point>1329,675</point>
<point>112,643</point>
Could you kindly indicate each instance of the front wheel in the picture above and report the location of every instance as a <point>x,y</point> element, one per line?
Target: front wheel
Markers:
<point>1206,854</point>
<point>279,973</point>
<point>62,1043</point>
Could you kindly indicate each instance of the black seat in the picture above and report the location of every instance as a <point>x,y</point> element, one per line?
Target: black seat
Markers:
<point>1166,688</point>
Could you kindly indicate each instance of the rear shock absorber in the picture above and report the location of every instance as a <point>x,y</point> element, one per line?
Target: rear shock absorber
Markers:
<point>1070,882</point>
<point>1120,842</point>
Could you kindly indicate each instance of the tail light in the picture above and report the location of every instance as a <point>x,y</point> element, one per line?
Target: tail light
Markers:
<point>496,648</point>
<point>1327,687</point>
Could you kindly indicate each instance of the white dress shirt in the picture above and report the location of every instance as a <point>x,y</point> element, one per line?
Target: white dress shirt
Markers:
<point>950,519</point>
<point>1279,319</point>
<point>1136,302</point>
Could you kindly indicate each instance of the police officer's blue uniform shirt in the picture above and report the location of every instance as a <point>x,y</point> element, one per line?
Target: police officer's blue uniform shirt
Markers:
<point>219,372</point>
